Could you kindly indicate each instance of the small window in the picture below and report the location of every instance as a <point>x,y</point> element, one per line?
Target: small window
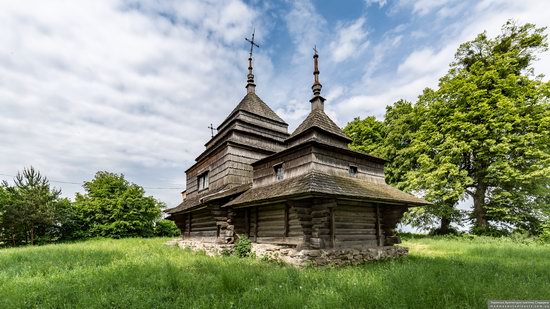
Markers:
<point>352,170</point>
<point>203,181</point>
<point>279,171</point>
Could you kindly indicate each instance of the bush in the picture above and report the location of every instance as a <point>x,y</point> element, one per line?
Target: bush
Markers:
<point>243,247</point>
<point>166,228</point>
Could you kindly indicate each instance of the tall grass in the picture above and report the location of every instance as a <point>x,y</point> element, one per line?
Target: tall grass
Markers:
<point>143,273</point>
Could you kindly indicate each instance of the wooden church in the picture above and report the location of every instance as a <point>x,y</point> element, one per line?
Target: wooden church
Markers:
<point>304,190</point>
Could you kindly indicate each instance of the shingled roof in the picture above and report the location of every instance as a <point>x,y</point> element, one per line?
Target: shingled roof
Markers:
<point>317,183</point>
<point>208,196</point>
<point>318,119</point>
<point>253,104</point>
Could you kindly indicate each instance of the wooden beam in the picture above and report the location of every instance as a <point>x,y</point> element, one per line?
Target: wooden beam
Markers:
<point>190,218</point>
<point>378,236</point>
<point>287,225</point>
<point>332,228</point>
<point>256,224</point>
<point>247,221</point>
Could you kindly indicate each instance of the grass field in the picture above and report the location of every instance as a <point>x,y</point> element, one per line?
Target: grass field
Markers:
<point>143,273</point>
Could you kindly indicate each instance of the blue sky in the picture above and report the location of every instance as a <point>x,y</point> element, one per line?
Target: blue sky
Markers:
<point>131,86</point>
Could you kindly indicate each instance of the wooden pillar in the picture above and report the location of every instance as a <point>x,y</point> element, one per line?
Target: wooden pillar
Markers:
<point>256,224</point>
<point>287,227</point>
<point>189,230</point>
<point>332,227</point>
<point>378,236</point>
<point>247,221</point>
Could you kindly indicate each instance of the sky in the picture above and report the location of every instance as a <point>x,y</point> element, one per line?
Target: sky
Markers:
<point>131,86</point>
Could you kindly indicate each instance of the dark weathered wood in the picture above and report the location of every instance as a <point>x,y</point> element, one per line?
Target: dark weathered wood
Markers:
<point>247,221</point>
<point>341,237</point>
<point>332,228</point>
<point>190,223</point>
<point>352,225</point>
<point>378,236</point>
<point>255,224</point>
<point>287,223</point>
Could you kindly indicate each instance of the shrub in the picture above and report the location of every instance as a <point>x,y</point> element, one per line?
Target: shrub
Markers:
<point>166,228</point>
<point>243,247</point>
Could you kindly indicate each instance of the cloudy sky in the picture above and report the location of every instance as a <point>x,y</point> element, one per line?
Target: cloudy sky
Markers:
<point>131,86</point>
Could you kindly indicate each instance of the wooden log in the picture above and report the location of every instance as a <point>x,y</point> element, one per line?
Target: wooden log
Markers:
<point>378,238</point>
<point>205,224</point>
<point>203,233</point>
<point>275,217</point>
<point>355,225</point>
<point>255,224</point>
<point>356,231</point>
<point>280,240</point>
<point>341,237</point>
<point>348,244</point>
<point>354,220</point>
<point>286,221</point>
<point>208,228</point>
<point>247,221</point>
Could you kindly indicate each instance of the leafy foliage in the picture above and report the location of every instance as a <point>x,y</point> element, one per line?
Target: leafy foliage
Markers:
<point>113,207</point>
<point>30,210</point>
<point>483,134</point>
<point>243,247</point>
<point>166,228</point>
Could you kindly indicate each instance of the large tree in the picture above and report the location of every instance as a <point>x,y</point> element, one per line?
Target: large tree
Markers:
<point>487,126</point>
<point>484,133</point>
<point>113,207</point>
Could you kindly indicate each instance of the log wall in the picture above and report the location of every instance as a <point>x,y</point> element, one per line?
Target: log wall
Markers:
<point>278,224</point>
<point>355,225</point>
<point>198,223</point>
<point>333,163</point>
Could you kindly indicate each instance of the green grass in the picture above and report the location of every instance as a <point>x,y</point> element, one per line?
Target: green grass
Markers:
<point>143,273</point>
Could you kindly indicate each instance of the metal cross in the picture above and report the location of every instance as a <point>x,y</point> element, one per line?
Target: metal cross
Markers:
<point>252,44</point>
<point>315,49</point>
<point>211,127</point>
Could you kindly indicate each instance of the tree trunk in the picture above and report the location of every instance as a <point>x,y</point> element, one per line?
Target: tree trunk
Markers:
<point>32,235</point>
<point>480,213</point>
<point>445,225</point>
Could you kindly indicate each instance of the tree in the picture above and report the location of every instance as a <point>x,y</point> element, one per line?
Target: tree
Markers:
<point>113,207</point>
<point>392,140</point>
<point>166,228</point>
<point>483,133</point>
<point>486,129</point>
<point>28,208</point>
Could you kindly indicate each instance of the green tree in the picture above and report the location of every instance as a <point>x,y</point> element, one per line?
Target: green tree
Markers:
<point>392,140</point>
<point>367,135</point>
<point>166,228</point>
<point>486,130</point>
<point>113,207</point>
<point>483,133</point>
<point>28,208</point>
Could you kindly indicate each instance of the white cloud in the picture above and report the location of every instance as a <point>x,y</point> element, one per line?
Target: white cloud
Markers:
<point>423,66</point>
<point>351,41</point>
<point>131,87</point>
<point>305,27</point>
<point>381,3</point>
<point>110,85</point>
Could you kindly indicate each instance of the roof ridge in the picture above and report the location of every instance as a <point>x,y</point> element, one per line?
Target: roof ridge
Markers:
<point>319,119</point>
<point>253,104</point>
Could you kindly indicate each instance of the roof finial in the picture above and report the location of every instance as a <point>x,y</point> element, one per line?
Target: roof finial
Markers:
<point>250,86</point>
<point>316,84</point>
<point>317,100</point>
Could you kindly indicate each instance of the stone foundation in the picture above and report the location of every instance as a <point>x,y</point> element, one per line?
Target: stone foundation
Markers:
<point>292,256</point>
